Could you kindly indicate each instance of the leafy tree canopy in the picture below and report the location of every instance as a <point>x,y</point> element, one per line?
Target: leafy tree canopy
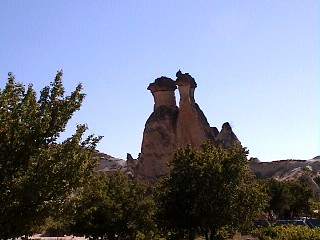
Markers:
<point>113,207</point>
<point>289,199</point>
<point>37,173</point>
<point>209,190</point>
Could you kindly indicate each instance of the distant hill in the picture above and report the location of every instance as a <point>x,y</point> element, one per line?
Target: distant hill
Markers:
<point>108,163</point>
<point>284,170</point>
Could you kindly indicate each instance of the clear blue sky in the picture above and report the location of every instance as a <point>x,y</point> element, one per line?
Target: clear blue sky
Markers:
<point>256,64</point>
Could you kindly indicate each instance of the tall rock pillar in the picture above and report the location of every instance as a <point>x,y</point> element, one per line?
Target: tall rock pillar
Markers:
<point>192,127</point>
<point>159,136</point>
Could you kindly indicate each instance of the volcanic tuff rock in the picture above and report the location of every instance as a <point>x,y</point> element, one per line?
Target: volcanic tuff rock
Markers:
<point>284,170</point>
<point>159,137</point>
<point>226,138</point>
<point>110,165</point>
<point>170,127</point>
<point>289,170</point>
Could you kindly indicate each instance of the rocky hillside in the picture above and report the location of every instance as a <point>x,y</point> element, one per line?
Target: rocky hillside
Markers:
<point>109,164</point>
<point>285,169</point>
<point>282,170</point>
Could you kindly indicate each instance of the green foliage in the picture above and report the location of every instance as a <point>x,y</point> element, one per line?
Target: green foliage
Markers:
<point>287,232</point>
<point>315,209</point>
<point>208,191</point>
<point>113,206</point>
<point>289,199</point>
<point>37,174</point>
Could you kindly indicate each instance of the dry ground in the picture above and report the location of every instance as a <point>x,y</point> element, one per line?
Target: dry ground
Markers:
<point>38,237</point>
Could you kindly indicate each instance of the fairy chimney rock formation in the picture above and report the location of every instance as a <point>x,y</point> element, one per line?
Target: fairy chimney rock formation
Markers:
<point>159,136</point>
<point>192,125</point>
<point>186,85</point>
<point>170,127</point>
<point>162,90</point>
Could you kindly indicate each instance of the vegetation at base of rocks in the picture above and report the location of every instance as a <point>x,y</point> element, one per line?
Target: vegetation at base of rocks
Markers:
<point>287,232</point>
<point>113,207</point>
<point>208,192</point>
<point>38,174</point>
<point>289,199</point>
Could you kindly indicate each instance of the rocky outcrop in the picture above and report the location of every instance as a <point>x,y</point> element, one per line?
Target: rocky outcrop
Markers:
<point>170,127</point>
<point>192,125</point>
<point>226,138</point>
<point>110,165</point>
<point>289,170</point>
<point>283,170</point>
<point>159,136</point>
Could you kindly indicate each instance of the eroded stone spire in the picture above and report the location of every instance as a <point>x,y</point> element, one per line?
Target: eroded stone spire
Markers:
<point>186,86</point>
<point>170,127</point>
<point>226,138</point>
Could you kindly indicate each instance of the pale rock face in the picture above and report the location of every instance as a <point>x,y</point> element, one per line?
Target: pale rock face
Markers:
<point>158,145</point>
<point>192,127</point>
<point>164,98</point>
<point>159,136</point>
<point>192,95</point>
<point>170,127</point>
<point>184,92</point>
<point>226,138</point>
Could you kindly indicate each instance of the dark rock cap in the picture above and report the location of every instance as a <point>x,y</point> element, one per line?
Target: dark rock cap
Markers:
<point>129,157</point>
<point>226,127</point>
<point>254,160</point>
<point>162,84</point>
<point>185,79</point>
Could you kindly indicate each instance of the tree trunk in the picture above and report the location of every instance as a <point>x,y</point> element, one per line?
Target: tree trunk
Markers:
<point>212,233</point>
<point>206,235</point>
<point>191,235</point>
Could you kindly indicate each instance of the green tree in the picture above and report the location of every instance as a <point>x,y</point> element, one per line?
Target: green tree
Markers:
<point>37,173</point>
<point>113,207</point>
<point>280,198</point>
<point>302,196</point>
<point>290,198</point>
<point>210,190</point>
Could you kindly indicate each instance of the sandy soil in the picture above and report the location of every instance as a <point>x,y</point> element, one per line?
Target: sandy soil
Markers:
<point>38,237</point>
